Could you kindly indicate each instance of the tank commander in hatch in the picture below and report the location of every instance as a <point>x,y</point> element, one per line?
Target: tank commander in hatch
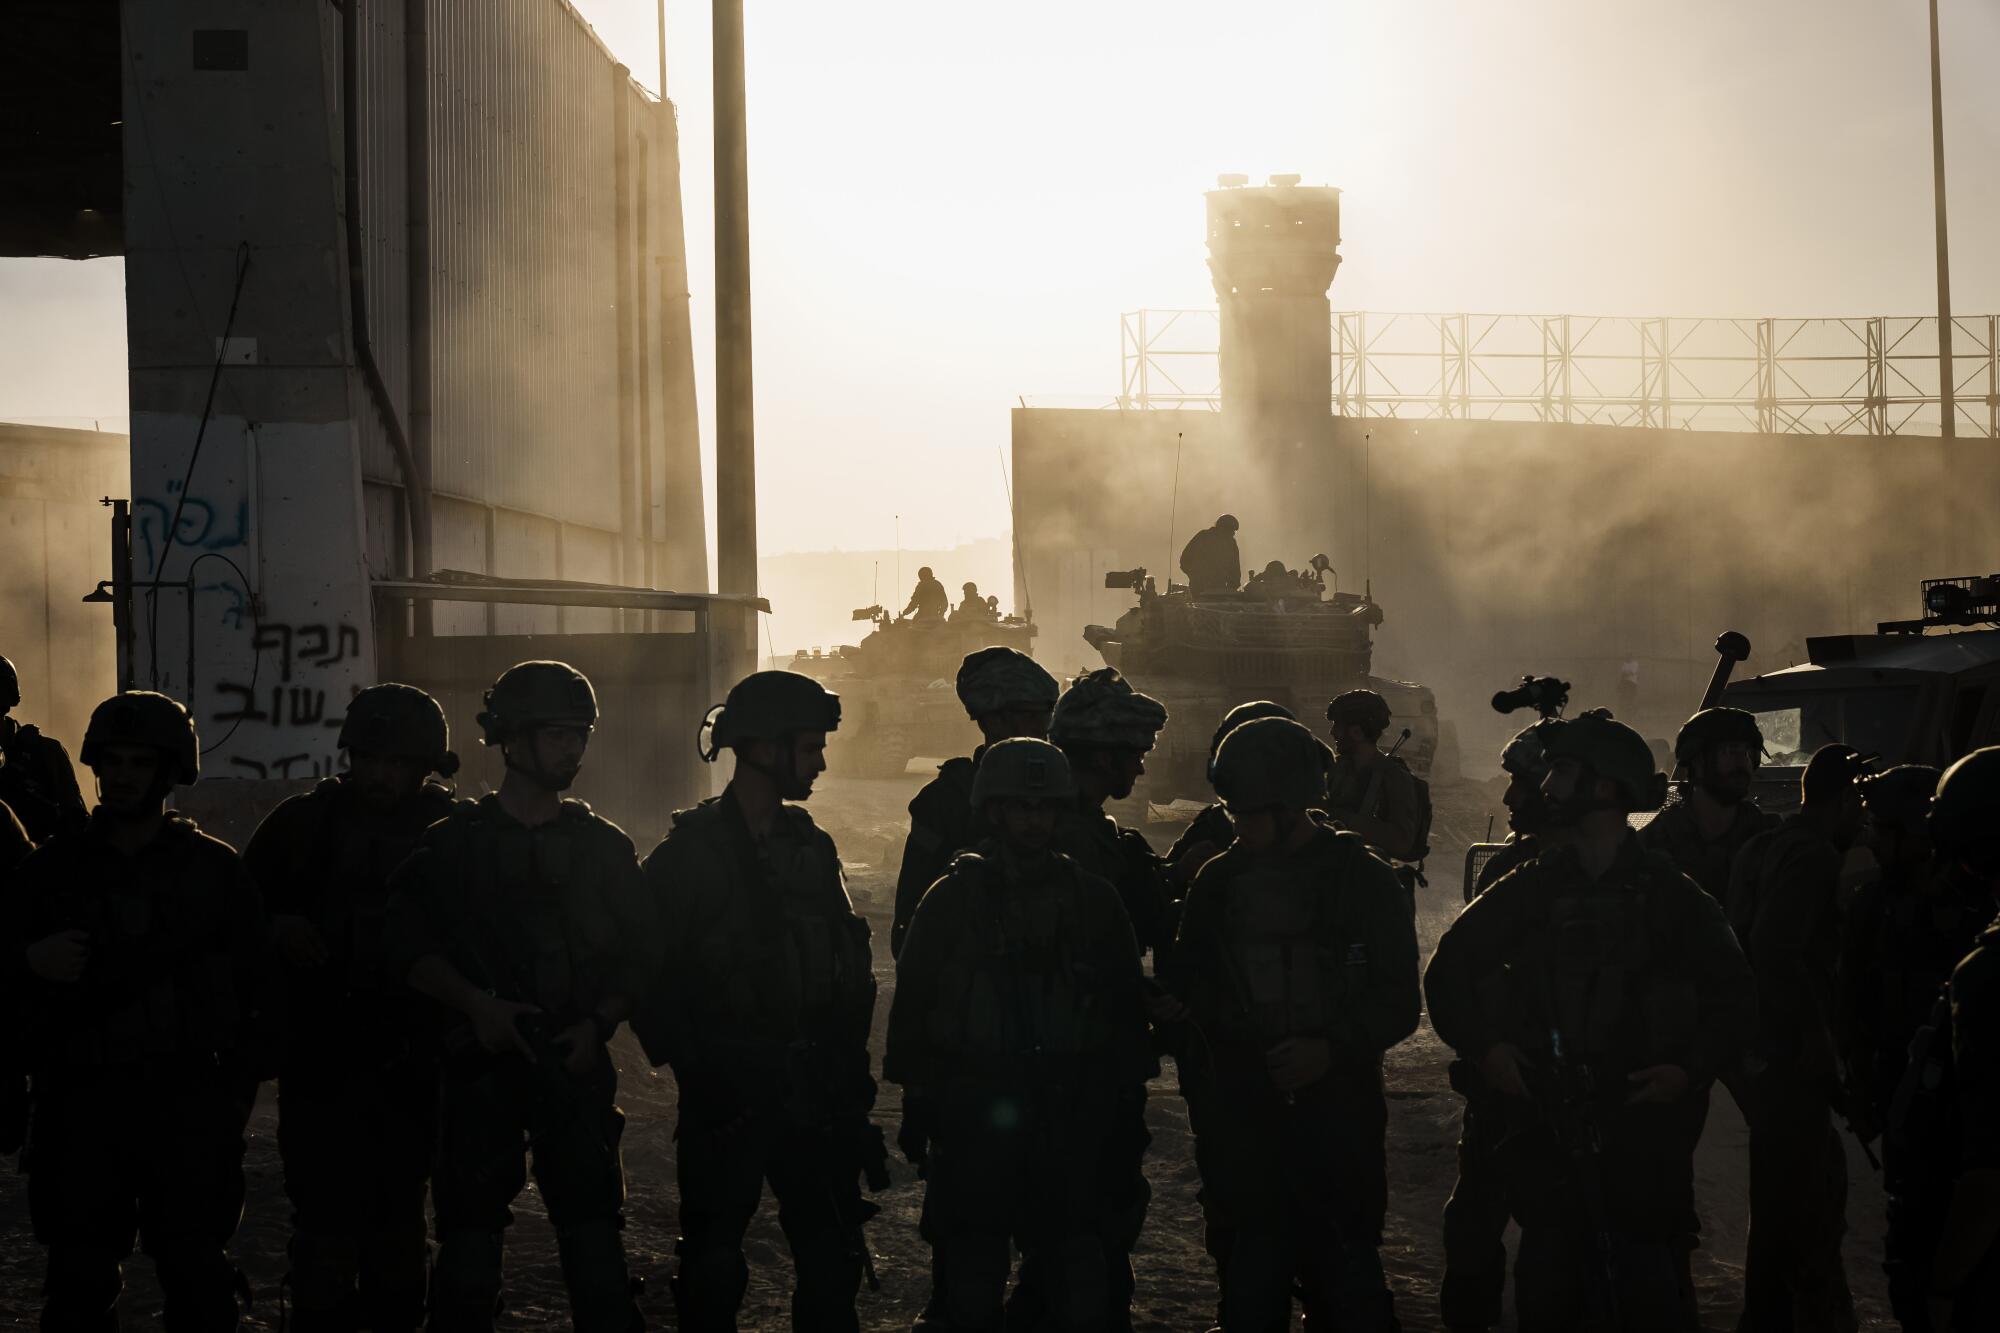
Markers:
<point>929,601</point>
<point>1210,559</point>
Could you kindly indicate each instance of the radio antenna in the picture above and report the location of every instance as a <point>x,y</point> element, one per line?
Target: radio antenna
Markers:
<point>1173,509</point>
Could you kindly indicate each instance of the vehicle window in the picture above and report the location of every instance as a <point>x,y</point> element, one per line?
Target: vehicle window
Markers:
<point>1874,721</point>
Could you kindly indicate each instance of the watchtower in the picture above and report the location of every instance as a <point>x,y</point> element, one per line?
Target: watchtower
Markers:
<point>1273,251</point>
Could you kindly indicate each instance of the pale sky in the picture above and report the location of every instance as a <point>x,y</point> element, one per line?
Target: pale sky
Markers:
<point>952,204</point>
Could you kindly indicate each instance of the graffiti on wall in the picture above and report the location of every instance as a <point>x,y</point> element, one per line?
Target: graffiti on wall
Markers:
<point>276,640</point>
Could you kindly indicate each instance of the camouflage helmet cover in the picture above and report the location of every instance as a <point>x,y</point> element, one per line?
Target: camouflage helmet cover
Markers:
<point>1527,754</point>
<point>400,720</point>
<point>10,685</point>
<point>537,694</point>
<point>1965,814</point>
<point>1271,761</point>
<point>1614,751</point>
<point>993,680</point>
<point>1712,727</point>
<point>768,706</point>
<point>142,717</point>
<point>1364,708</point>
<point>1022,768</point>
<point>1100,708</point>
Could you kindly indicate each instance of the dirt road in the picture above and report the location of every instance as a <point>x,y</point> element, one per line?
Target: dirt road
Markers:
<point>1176,1294</point>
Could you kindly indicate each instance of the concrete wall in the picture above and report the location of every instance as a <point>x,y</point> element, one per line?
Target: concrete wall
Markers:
<point>55,544</point>
<point>1503,548</point>
<point>563,411</point>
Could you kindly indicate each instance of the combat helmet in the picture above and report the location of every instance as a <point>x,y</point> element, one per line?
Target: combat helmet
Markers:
<point>1271,761</point>
<point>1900,795</point>
<point>10,686</point>
<point>1527,755</point>
<point>1022,768</point>
<point>400,720</point>
<point>1614,751</point>
<point>1713,727</point>
<point>1965,814</point>
<point>1100,709</point>
<point>1236,717</point>
<point>1363,708</point>
<point>767,706</point>
<point>996,679</point>
<point>142,717</point>
<point>537,694</point>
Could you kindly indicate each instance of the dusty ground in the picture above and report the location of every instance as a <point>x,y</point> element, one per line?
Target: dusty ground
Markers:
<point>1175,1291</point>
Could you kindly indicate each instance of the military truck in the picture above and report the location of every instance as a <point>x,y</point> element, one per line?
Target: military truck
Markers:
<point>1917,691</point>
<point>898,691</point>
<point>1285,636</point>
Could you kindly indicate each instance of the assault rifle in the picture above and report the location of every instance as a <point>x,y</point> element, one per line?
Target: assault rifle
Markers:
<point>1569,1106</point>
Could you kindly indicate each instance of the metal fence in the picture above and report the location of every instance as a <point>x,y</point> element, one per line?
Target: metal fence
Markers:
<point>1864,376</point>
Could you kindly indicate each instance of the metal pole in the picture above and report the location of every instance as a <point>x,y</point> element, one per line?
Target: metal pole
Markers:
<point>735,436</point>
<point>1948,410</point>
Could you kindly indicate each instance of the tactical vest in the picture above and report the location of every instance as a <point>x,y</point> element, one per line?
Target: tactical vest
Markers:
<point>1020,989</point>
<point>1593,969</point>
<point>521,926</point>
<point>342,878</point>
<point>160,983</point>
<point>788,958</point>
<point>1290,967</point>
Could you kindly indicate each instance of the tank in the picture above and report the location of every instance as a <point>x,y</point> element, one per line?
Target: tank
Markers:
<point>1923,691</point>
<point>897,689</point>
<point>1285,636</point>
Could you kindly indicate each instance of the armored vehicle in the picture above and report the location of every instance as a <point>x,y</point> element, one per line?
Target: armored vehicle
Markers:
<point>1905,693</point>
<point>898,701</point>
<point>1284,636</point>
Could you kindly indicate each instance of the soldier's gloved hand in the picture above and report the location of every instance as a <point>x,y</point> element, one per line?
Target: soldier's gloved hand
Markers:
<point>61,956</point>
<point>298,941</point>
<point>1298,1062</point>
<point>1502,1066</point>
<point>1657,1083</point>
<point>496,1023</point>
<point>580,1046</point>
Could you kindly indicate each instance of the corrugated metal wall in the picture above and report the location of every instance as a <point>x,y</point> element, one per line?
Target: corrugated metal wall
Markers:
<point>525,132</point>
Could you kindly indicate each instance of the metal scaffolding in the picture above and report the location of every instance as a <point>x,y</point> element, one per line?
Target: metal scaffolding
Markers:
<point>1870,376</point>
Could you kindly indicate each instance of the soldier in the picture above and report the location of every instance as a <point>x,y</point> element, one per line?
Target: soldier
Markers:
<point>762,1000</point>
<point>14,848</point>
<point>357,1090</point>
<point>1018,1016</point>
<point>517,913</point>
<point>1210,559</point>
<point>972,606</point>
<point>36,780</point>
<point>1710,818</point>
<point>1595,987</point>
<point>1964,1287</point>
<point>144,998</point>
<point>1297,965</point>
<point>929,600</point>
<point>1105,729</point>
<point>1712,814</point>
<point>1371,793</point>
<point>1785,909</point>
<point>1209,833</point>
<point>1006,693</point>
<point>1904,932</point>
<point>1476,1214</point>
